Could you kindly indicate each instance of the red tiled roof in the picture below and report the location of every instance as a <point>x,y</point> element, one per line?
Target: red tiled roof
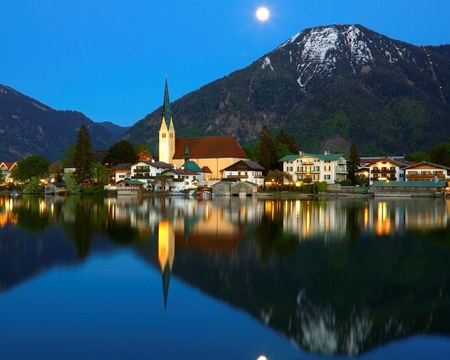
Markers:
<point>8,164</point>
<point>209,147</point>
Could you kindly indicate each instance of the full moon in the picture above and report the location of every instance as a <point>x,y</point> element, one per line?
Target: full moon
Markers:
<point>262,14</point>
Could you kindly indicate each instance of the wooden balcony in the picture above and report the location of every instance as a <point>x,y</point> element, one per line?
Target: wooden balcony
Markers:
<point>425,177</point>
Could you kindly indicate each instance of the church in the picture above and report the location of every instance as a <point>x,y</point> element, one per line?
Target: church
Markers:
<point>211,153</point>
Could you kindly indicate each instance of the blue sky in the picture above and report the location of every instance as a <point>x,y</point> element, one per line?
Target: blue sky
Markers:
<point>108,58</point>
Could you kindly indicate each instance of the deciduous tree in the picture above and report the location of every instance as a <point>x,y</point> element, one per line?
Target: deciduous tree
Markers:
<point>32,166</point>
<point>142,152</point>
<point>120,153</point>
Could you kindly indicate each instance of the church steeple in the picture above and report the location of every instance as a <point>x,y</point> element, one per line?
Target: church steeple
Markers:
<point>166,133</point>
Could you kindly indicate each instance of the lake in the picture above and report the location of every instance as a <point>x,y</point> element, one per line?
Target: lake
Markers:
<point>226,278</point>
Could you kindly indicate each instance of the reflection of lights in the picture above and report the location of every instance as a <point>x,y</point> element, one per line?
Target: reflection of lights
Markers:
<point>383,225</point>
<point>42,206</point>
<point>297,208</point>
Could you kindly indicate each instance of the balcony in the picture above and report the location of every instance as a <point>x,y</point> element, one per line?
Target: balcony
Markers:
<point>384,171</point>
<point>140,170</point>
<point>425,177</point>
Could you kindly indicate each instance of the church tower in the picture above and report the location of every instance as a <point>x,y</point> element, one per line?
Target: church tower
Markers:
<point>166,133</point>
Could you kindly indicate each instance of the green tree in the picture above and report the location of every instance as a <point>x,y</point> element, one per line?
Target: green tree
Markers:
<point>56,170</point>
<point>418,156</point>
<point>288,140</point>
<point>266,150</point>
<point>440,154</point>
<point>32,166</point>
<point>142,152</point>
<point>34,186</point>
<point>120,153</point>
<point>83,156</point>
<point>100,173</point>
<point>353,163</point>
<point>68,155</point>
<point>72,185</point>
<point>278,177</point>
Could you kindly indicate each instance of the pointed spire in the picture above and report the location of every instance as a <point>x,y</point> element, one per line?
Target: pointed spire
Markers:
<point>166,105</point>
<point>186,154</point>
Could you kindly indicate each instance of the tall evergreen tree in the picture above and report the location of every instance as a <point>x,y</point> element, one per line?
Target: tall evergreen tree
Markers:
<point>288,140</point>
<point>266,149</point>
<point>353,162</point>
<point>83,156</point>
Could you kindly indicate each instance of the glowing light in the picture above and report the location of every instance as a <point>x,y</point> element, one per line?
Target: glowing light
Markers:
<point>262,357</point>
<point>262,14</point>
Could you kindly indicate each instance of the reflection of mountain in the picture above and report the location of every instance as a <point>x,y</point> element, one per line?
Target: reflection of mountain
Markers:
<point>374,271</point>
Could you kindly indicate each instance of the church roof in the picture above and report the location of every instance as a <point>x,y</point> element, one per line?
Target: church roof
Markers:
<point>209,147</point>
<point>192,165</point>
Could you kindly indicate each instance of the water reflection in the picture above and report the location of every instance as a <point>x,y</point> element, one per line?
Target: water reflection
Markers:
<point>334,277</point>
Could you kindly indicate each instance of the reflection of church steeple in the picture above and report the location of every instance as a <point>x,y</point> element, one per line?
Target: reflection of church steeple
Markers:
<point>166,254</point>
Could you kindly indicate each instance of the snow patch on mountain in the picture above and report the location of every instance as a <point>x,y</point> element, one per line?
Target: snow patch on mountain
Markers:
<point>266,62</point>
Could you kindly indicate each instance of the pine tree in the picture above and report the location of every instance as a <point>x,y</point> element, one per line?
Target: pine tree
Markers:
<point>266,150</point>
<point>353,162</point>
<point>83,156</point>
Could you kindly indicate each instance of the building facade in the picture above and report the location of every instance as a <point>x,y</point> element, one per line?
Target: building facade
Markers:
<point>327,167</point>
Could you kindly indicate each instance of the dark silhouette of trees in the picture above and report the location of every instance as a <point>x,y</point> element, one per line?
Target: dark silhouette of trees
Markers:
<point>83,156</point>
<point>120,153</point>
<point>353,163</point>
<point>32,166</point>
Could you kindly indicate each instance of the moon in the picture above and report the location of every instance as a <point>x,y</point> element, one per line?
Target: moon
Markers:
<point>262,14</point>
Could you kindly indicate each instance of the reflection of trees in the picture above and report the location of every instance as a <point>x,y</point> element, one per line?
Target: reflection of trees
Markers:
<point>272,239</point>
<point>30,215</point>
<point>83,215</point>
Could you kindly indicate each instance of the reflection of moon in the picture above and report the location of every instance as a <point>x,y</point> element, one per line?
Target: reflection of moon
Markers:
<point>262,14</point>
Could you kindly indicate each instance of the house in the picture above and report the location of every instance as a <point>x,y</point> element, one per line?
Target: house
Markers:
<point>366,161</point>
<point>214,152</point>
<point>180,179</point>
<point>315,167</point>
<point>6,167</point>
<point>236,188</point>
<point>129,187</point>
<point>386,169</point>
<point>120,172</point>
<point>426,171</point>
<point>244,170</point>
<point>148,170</point>
<point>56,188</point>
<point>408,188</point>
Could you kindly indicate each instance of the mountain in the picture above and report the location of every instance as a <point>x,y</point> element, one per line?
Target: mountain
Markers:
<point>116,130</point>
<point>328,86</point>
<point>29,127</point>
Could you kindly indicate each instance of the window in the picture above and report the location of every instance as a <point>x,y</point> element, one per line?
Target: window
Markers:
<point>163,135</point>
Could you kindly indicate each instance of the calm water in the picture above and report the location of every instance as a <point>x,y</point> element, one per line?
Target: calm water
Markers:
<point>228,278</point>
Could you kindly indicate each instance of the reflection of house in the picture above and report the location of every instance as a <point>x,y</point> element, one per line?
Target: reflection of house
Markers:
<point>386,169</point>
<point>426,171</point>
<point>215,152</point>
<point>5,170</point>
<point>316,167</point>
<point>244,170</point>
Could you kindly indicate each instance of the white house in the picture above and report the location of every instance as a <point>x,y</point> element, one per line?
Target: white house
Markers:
<point>181,179</point>
<point>426,171</point>
<point>315,167</point>
<point>148,169</point>
<point>244,170</point>
<point>386,169</point>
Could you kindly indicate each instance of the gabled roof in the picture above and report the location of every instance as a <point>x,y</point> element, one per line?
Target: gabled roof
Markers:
<point>324,157</point>
<point>185,172</point>
<point>392,161</point>
<point>8,164</point>
<point>209,147</point>
<point>251,165</point>
<point>119,167</point>
<point>154,163</point>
